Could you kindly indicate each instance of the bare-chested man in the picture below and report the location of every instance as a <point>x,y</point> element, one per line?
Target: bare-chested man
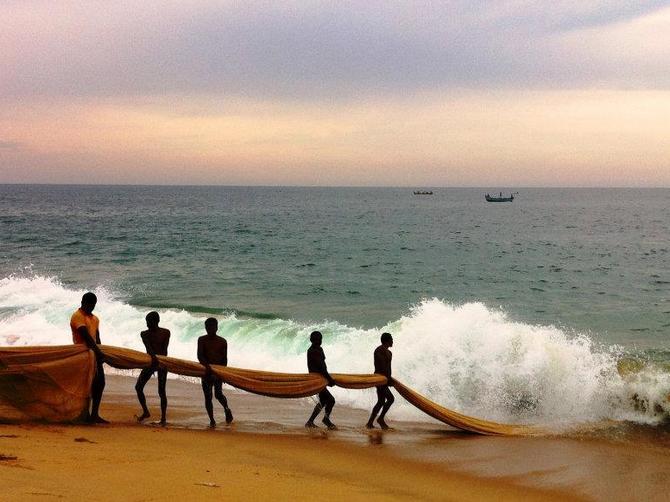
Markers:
<point>316,363</point>
<point>382,367</point>
<point>213,349</point>
<point>156,341</point>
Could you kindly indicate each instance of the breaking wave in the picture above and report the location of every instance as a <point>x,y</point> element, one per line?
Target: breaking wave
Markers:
<point>469,358</point>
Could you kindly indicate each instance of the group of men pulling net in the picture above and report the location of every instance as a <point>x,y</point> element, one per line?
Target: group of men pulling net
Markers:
<point>66,383</point>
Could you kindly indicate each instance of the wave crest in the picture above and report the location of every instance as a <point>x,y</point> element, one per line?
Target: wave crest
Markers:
<point>469,358</point>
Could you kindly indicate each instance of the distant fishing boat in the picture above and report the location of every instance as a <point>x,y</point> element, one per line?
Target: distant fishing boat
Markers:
<point>423,192</point>
<point>500,198</point>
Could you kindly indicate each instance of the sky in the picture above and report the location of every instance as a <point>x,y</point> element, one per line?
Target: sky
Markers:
<point>368,93</point>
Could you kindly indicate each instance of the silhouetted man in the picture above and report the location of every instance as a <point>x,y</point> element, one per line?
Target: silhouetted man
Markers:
<point>156,341</point>
<point>316,363</point>
<point>382,367</point>
<point>212,349</point>
<point>84,326</point>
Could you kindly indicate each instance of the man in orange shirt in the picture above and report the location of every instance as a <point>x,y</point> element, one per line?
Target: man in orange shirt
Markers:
<point>85,331</point>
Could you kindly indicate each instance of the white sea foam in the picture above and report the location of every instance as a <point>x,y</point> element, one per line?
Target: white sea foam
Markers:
<point>468,358</point>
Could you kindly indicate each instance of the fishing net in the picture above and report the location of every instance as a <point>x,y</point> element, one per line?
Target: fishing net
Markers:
<point>45,383</point>
<point>53,384</point>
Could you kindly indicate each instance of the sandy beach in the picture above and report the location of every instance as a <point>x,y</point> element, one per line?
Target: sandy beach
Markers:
<point>267,453</point>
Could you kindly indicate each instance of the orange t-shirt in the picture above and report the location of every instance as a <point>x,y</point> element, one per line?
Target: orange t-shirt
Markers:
<point>81,318</point>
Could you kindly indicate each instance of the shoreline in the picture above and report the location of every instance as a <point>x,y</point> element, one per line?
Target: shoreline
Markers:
<point>272,454</point>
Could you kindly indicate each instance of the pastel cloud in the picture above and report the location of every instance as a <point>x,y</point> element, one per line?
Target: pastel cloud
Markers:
<point>457,92</point>
<point>315,49</point>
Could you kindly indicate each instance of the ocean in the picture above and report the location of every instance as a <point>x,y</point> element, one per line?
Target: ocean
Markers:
<point>553,309</point>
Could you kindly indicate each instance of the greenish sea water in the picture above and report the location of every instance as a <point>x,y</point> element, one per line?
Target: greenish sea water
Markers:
<point>468,284</point>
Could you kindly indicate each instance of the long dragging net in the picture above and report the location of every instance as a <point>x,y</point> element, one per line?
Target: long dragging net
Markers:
<point>53,384</point>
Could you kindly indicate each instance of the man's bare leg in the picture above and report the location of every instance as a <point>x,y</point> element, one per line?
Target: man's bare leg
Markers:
<point>207,391</point>
<point>218,393</point>
<point>162,383</point>
<point>378,406</point>
<point>310,423</point>
<point>96,395</point>
<point>389,399</point>
<point>145,376</point>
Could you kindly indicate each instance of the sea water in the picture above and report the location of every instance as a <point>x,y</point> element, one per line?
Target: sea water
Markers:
<point>552,309</point>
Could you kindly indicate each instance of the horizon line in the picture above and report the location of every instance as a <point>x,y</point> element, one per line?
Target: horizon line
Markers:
<point>507,187</point>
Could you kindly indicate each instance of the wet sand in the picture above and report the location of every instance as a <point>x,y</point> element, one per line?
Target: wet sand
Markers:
<point>267,453</point>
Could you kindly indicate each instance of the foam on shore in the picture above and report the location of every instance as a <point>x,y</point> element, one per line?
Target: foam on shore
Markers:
<point>469,358</point>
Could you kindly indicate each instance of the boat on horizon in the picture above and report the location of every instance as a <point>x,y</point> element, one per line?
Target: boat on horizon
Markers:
<point>423,192</point>
<point>500,198</point>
